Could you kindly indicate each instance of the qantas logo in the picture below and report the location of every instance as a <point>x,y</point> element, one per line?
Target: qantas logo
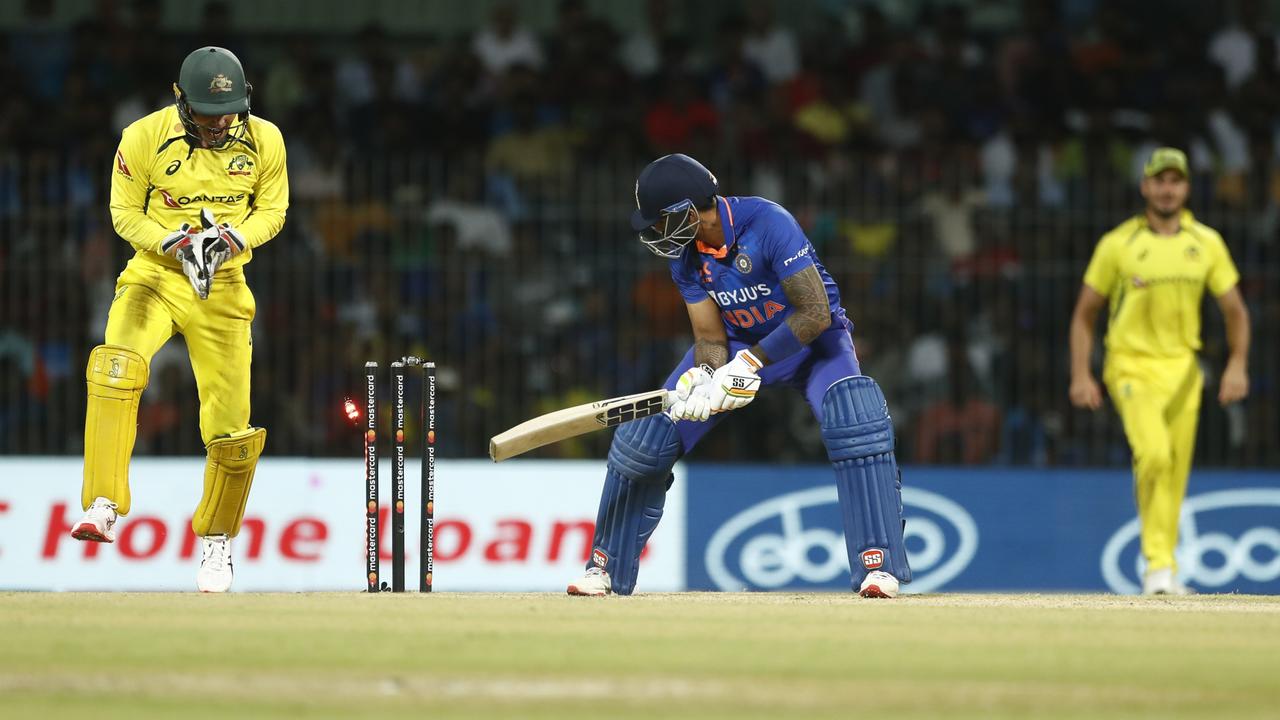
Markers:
<point>1142,283</point>
<point>121,166</point>
<point>183,200</point>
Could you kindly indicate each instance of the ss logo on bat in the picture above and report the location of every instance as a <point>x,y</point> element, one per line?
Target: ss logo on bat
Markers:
<point>619,414</point>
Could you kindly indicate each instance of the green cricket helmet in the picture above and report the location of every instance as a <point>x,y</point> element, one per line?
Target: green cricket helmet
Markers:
<point>211,82</point>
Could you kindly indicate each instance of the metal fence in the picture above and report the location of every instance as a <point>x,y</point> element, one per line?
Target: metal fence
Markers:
<point>531,294</point>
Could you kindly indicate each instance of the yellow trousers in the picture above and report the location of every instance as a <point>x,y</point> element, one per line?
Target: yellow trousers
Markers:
<point>153,302</point>
<point>1159,402</point>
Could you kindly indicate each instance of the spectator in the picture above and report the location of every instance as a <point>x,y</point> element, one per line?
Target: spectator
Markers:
<point>42,47</point>
<point>357,76</point>
<point>680,120</point>
<point>572,42</point>
<point>641,51</point>
<point>950,207</point>
<point>534,156</point>
<point>474,226</point>
<point>772,47</point>
<point>1234,46</point>
<point>962,428</point>
<point>833,118</point>
<point>218,27</point>
<point>386,124</point>
<point>458,108</point>
<point>733,77</point>
<point>287,86</point>
<point>504,43</point>
<point>948,161</point>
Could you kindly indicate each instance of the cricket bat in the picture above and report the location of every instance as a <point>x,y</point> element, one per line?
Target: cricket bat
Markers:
<point>578,420</point>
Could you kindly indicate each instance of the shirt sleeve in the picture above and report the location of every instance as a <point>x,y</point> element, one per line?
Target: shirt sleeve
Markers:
<point>1223,275</point>
<point>130,185</point>
<point>786,248</point>
<point>689,288</point>
<point>1102,270</point>
<point>271,194</point>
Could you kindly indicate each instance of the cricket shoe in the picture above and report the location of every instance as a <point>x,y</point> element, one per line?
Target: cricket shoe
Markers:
<point>594,583</point>
<point>215,572</point>
<point>1162,581</point>
<point>98,522</point>
<point>879,584</point>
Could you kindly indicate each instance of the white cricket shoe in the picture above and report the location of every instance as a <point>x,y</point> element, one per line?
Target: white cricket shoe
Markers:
<point>98,522</point>
<point>879,584</point>
<point>215,572</point>
<point>594,583</point>
<point>1162,581</point>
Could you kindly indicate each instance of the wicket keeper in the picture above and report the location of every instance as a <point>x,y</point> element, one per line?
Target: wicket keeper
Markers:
<point>764,312</point>
<point>196,186</point>
<point>1154,268</point>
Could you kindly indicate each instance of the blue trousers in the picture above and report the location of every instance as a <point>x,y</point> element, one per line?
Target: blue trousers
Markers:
<point>818,366</point>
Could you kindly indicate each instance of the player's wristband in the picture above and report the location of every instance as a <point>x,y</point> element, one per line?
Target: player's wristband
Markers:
<point>781,343</point>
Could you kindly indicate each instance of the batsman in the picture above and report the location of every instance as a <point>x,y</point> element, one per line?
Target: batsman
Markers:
<point>764,312</point>
<point>196,186</point>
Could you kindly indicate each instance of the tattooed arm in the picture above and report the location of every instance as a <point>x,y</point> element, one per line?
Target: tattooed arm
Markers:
<point>710,343</point>
<point>811,312</point>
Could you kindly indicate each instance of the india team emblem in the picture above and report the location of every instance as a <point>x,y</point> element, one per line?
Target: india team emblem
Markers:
<point>220,84</point>
<point>742,261</point>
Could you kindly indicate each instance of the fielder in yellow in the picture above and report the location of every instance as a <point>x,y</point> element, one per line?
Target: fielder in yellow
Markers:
<point>1154,268</point>
<point>195,188</point>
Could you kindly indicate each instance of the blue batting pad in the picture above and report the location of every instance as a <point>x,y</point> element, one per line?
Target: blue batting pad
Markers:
<point>635,490</point>
<point>859,437</point>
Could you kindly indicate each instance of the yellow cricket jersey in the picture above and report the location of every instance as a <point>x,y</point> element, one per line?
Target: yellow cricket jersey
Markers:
<point>1156,283</point>
<point>161,181</point>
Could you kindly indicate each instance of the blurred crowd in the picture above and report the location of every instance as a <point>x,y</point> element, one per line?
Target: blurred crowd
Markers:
<point>464,197</point>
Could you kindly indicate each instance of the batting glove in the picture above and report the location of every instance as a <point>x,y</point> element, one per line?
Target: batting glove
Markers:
<point>693,395</point>
<point>734,384</point>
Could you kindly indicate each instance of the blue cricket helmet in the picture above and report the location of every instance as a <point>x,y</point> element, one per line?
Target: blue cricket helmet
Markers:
<point>669,193</point>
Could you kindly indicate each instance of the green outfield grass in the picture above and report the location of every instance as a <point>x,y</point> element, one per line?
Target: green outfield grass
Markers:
<point>693,655</point>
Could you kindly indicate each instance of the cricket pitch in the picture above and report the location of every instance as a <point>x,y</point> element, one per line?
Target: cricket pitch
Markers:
<point>129,655</point>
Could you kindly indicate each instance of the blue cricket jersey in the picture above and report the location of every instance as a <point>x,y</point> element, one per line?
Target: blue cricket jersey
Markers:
<point>763,245</point>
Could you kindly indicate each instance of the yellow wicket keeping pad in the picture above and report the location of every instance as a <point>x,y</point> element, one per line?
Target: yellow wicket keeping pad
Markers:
<point>116,377</point>
<point>228,476</point>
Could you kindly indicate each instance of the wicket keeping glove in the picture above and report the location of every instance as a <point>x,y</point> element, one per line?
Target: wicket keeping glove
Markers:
<point>734,384</point>
<point>693,396</point>
<point>187,246</point>
<point>225,242</point>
